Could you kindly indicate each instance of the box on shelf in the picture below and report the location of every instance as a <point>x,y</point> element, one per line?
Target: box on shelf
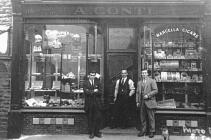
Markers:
<point>159,54</point>
<point>56,85</point>
<point>37,85</point>
<point>169,64</point>
<point>169,103</point>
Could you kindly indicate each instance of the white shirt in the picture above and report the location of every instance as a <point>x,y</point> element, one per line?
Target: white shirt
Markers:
<point>91,82</point>
<point>131,87</point>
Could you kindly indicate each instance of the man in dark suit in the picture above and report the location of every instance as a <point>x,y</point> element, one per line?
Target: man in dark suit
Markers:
<point>124,90</point>
<point>93,105</point>
<point>145,99</point>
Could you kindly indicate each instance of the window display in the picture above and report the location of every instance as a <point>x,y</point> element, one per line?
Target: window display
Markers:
<point>56,65</point>
<point>172,52</point>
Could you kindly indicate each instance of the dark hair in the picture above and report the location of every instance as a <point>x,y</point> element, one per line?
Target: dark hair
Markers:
<point>92,71</point>
<point>124,70</point>
<point>145,70</point>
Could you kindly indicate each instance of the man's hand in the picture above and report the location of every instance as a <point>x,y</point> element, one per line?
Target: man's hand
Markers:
<point>137,104</point>
<point>146,97</point>
<point>130,94</point>
<point>114,99</point>
<point>96,90</point>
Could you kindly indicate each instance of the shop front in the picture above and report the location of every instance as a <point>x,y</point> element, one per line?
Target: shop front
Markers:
<point>57,44</point>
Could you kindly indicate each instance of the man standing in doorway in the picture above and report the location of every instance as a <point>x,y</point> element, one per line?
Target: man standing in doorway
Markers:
<point>124,90</point>
<point>145,99</point>
<point>93,105</point>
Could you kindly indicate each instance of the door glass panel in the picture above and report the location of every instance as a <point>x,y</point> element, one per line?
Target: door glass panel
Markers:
<point>122,39</point>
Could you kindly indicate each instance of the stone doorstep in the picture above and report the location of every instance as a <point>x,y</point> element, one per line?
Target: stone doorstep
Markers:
<point>116,131</point>
<point>3,134</point>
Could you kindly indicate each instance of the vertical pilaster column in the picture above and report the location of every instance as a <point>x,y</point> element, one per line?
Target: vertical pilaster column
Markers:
<point>207,46</point>
<point>17,72</point>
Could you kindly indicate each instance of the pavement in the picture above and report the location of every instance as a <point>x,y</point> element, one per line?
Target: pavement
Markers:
<point>105,137</point>
<point>108,134</point>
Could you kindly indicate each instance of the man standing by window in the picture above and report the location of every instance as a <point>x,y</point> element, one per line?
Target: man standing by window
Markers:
<point>93,105</point>
<point>124,90</point>
<point>145,99</point>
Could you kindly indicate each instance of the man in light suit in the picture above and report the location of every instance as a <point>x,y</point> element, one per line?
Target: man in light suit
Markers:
<point>145,99</point>
<point>93,105</point>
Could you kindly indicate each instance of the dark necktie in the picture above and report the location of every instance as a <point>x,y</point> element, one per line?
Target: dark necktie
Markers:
<point>122,82</point>
<point>92,82</point>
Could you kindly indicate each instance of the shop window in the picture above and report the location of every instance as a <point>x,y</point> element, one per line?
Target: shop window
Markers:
<point>173,53</point>
<point>56,64</point>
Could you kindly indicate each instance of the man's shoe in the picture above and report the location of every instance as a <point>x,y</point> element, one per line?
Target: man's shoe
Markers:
<point>151,135</point>
<point>140,134</point>
<point>91,136</point>
<point>123,127</point>
<point>113,126</point>
<point>99,135</point>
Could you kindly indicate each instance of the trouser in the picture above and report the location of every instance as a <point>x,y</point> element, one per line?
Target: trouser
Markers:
<point>94,119</point>
<point>147,116</point>
<point>121,111</point>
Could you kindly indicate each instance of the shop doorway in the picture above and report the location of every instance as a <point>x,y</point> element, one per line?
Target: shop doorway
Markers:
<point>115,63</point>
<point>121,53</point>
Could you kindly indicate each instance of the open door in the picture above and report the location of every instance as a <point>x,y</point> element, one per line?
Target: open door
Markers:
<point>121,53</point>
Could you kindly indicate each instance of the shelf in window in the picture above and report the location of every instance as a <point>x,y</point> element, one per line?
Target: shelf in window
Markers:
<point>179,81</point>
<point>174,58</point>
<point>180,111</point>
<point>165,93</point>
<point>45,75</point>
<point>41,90</point>
<point>72,92</point>
<point>78,91</point>
<point>36,74</point>
<point>170,47</point>
<point>175,70</point>
<point>58,56</point>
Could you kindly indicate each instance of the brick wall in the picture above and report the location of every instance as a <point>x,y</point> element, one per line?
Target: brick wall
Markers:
<point>54,123</point>
<point>5,76</point>
<point>5,96</point>
<point>175,123</point>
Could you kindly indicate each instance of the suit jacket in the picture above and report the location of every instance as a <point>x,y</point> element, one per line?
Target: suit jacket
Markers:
<point>149,88</point>
<point>92,98</point>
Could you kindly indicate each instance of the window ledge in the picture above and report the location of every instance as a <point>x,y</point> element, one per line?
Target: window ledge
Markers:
<point>51,110</point>
<point>175,111</point>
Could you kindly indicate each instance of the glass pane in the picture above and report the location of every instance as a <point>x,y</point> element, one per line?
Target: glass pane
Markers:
<point>95,51</point>
<point>4,42</point>
<point>122,38</point>
<point>55,65</point>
